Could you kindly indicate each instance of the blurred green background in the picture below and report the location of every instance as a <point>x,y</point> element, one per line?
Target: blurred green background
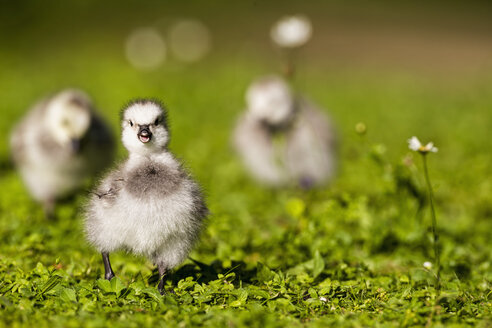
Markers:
<point>394,52</point>
<point>403,68</point>
<point>407,68</point>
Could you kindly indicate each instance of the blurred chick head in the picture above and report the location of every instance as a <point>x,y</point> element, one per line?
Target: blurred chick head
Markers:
<point>270,99</point>
<point>144,127</point>
<point>68,117</point>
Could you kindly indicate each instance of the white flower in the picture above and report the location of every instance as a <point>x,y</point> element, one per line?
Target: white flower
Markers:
<point>323,299</point>
<point>291,32</point>
<point>427,265</point>
<point>415,145</point>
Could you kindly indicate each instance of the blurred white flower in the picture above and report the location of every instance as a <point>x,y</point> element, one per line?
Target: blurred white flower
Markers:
<point>415,145</point>
<point>291,32</point>
<point>323,299</point>
<point>189,40</point>
<point>427,265</point>
<point>145,48</point>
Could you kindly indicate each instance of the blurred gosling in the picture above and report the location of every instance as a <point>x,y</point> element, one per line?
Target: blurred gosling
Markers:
<point>148,205</point>
<point>284,139</point>
<point>59,144</point>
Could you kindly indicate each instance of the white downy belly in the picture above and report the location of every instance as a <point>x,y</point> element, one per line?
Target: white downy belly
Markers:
<point>145,225</point>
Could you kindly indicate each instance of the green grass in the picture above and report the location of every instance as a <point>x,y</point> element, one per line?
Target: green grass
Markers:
<point>267,257</point>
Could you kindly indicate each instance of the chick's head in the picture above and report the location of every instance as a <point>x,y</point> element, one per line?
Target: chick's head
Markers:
<point>68,118</point>
<point>270,100</point>
<point>144,127</point>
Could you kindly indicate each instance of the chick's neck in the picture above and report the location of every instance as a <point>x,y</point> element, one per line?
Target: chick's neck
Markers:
<point>163,158</point>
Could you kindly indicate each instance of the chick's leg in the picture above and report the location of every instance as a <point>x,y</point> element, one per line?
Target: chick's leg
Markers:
<point>49,209</point>
<point>108,271</point>
<point>162,274</point>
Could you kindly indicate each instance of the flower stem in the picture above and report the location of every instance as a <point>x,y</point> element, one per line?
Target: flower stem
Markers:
<point>289,68</point>
<point>434,226</point>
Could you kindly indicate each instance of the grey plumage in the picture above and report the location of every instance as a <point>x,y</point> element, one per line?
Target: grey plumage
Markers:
<point>154,178</point>
<point>148,205</point>
<point>59,144</point>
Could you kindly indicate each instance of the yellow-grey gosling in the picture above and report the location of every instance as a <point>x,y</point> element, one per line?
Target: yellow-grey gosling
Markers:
<point>284,139</point>
<point>148,205</point>
<point>60,143</point>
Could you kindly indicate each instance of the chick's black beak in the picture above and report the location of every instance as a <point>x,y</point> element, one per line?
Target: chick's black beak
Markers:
<point>144,134</point>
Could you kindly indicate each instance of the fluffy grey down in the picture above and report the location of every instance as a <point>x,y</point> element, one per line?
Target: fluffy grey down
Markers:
<point>148,205</point>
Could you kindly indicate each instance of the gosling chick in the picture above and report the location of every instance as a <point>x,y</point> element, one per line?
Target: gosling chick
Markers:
<point>148,205</point>
<point>283,138</point>
<point>58,145</point>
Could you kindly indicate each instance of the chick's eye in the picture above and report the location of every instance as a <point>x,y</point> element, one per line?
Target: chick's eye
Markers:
<point>131,123</point>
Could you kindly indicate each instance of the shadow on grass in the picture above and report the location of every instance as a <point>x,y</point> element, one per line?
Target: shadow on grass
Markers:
<point>6,166</point>
<point>204,273</point>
